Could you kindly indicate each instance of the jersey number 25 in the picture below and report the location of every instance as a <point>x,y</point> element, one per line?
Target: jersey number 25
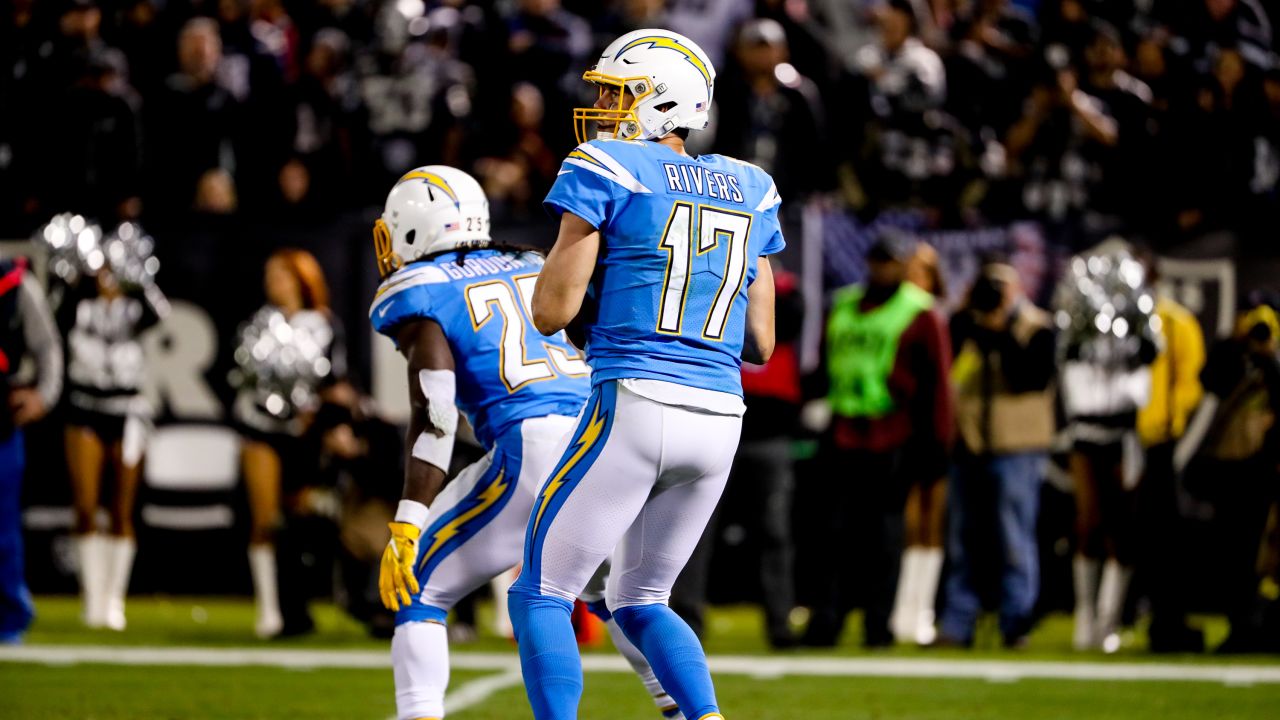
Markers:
<point>497,297</point>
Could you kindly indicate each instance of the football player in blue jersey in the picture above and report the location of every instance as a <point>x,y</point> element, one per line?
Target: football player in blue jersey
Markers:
<point>670,250</point>
<point>457,306</point>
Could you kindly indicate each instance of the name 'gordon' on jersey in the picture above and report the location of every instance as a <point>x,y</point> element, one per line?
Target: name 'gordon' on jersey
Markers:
<point>680,239</point>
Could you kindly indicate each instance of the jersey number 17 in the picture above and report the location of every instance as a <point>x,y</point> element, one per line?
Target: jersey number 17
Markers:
<point>713,224</point>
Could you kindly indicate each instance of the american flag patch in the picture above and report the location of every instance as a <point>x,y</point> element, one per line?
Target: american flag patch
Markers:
<point>450,227</point>
<point>699,107</point>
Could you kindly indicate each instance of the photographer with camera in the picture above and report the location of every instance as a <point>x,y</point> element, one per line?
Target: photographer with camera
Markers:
<point>1003,379</point>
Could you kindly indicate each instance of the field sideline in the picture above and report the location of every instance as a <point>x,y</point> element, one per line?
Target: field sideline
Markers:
<point>193,658</point>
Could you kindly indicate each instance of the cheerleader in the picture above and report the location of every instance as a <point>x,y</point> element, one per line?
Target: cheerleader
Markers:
<point>108,298</point>
<point>289,352</point>
<point>1107,343</point>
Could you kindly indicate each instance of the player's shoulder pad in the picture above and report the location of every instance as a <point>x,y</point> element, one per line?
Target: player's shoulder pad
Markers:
<point>613,160</point>
<point>405,295</point>
<point>760,185</point>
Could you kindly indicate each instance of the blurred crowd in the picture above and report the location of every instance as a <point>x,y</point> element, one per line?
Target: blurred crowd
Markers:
<point>1156,117</point>
<point>933,422</point>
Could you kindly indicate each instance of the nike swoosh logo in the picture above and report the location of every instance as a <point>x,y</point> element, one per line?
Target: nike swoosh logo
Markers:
<point>382,311</point>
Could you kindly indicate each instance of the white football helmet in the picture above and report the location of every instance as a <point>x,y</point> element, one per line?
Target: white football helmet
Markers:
<point>430,209</point>
<point>661,69</point>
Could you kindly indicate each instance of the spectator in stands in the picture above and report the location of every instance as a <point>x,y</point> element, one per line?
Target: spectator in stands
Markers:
<point>985,79</point>
<point>887,362</point>
<point>25,327</point>
<point>1214,25</point>
<point>1125,164</point>
<point>1218,167</point>
<point>327,117</point>
<point>804,30</point>
<point>1007,32</point>
<point>903,74</point>
<point>1175,393</point>
<point>99,174</point>
<point>1003,377</point>
<point>771,116</point>
<point>191,125</point>
<point>620,18</point>
<point>59,70</point>
<point>63,60</point>
<point>1054,148</point>
<point>1155,66</point>
<point>912,153</point>
<point>925,512</point>
<point>421,102</point>
<point>709,23</point>
<point>1065,31</point>
<point>761,479</point>
<point>548,46</point>
<point>146,43</point>
<point>516,180</point>
<point>1237,441</point>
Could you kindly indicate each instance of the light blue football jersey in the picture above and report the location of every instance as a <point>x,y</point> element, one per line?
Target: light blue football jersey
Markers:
<point>681,237</point>
<point>506,370</point>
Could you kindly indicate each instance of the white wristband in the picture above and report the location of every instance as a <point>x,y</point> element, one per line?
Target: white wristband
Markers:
<point>413,513</point>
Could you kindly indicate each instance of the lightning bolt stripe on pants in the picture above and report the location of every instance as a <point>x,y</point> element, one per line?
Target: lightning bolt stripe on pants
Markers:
<point>588,440</point>
<point>468,517</point>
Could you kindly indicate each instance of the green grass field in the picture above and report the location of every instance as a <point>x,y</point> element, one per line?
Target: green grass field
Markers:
<point>90,691</point>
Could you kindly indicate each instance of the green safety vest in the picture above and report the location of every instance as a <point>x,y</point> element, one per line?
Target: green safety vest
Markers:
<point>861,347</point>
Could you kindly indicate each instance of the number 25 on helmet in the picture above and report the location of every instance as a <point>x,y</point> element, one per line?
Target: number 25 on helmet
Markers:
<point>430,209</point>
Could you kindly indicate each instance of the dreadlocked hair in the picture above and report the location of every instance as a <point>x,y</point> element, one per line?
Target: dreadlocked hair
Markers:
<point>488,245</point>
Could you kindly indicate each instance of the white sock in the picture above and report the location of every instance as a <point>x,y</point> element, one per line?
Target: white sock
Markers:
<point>929,569</point>
<point>1085,574</point>
<point>640,665</point>
<point>120,552</point>
<point>262,566</point>
<point>907,598</point>
<point>420,662</point>
<point>1111,595</point>
<point>91,551</point>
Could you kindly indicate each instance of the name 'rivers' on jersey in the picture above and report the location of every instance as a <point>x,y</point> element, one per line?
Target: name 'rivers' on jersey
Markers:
<point>681,236</point>
<point>507,371</point>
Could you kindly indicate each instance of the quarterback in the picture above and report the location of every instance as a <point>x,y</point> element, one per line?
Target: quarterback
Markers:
<point>663,255</point>
<point>457,306</point>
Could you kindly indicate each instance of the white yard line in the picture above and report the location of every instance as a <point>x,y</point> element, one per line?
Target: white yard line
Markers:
<point>753,666</point>
<point>477,691</point>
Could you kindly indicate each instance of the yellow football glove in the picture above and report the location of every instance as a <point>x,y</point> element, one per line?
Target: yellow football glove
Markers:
<point>396,580</point>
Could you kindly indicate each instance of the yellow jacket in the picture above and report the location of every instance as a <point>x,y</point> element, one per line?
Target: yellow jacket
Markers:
<point>1175,376</point>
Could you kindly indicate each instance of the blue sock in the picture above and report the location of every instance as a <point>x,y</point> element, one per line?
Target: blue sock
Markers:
<point>548,653</point>
<point>674,653</point>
